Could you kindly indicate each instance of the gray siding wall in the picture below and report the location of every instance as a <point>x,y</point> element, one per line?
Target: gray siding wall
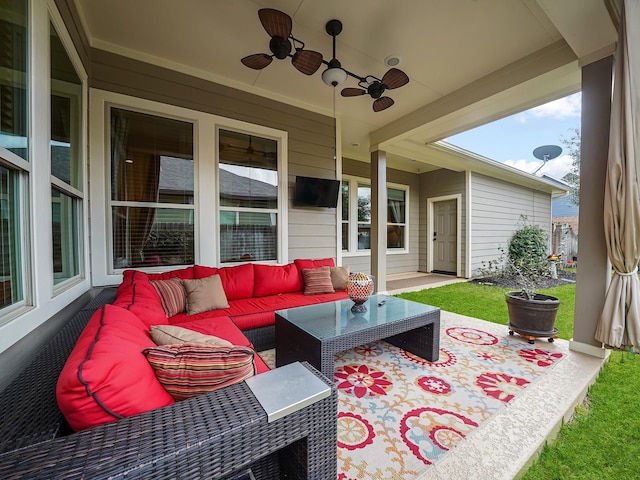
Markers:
<point>312,232</point>
<point>396,263</point>
<point>439,183</point>
<point>496,209</point>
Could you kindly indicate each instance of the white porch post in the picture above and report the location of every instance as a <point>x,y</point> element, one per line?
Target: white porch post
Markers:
<point>379,219</point>
<point>593,264</point>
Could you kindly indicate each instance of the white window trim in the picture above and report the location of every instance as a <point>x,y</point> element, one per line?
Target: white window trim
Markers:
<point>41,299</point>
<point>77,194</point>
<point>353,217</point>
<point>206,225</point>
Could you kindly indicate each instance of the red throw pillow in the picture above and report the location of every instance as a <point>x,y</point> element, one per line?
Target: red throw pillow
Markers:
<point>317,280</point>
<point>275,279</point>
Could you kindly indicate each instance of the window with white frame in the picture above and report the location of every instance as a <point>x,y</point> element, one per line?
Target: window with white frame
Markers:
<point>248,196</point>
<point>152,190</point>
<point>14,149</point>
<point>66,162</point>
<point>174,196</point>
<point>356,205</point>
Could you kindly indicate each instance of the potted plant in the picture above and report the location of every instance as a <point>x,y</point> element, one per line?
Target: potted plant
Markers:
<point>531,314</point>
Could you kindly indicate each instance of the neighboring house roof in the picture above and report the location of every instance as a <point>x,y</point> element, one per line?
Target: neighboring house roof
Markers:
<point>175,178</point>
<point>452,157</point>
<point>564,208</point>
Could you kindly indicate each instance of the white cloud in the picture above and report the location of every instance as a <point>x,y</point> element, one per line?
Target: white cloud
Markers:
<point>556,168</point>
<point>558,109</point>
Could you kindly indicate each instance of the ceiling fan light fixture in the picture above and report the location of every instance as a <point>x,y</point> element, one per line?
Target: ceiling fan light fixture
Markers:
<point>334,75</point>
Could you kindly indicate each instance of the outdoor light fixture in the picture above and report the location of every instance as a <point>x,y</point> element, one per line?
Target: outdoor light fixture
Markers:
<point>334,75</point>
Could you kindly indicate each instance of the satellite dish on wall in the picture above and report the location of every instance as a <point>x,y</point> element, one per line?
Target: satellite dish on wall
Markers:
<point>546,153</point>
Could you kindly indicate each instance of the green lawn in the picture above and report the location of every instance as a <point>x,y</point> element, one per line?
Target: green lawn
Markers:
<point>603,439</point>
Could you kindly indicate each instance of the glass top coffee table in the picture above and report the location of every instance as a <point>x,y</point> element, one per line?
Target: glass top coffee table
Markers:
<point>315,333</point>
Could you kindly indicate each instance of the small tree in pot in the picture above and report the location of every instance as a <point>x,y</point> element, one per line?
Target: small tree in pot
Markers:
<point>531,314</point>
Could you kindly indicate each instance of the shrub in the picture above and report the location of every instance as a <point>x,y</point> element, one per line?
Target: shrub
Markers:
<point>527,255</point>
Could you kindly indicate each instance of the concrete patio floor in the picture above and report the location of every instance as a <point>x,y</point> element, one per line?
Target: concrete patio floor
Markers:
<point>508,443</point>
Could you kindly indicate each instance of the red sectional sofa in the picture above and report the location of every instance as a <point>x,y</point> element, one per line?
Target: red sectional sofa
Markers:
<point>107,377</point>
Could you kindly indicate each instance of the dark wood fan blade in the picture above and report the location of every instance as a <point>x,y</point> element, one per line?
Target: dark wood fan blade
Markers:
<point>275,22</point>
<point>257,61</point>
<point>307,61</point>
<point>395,78</point>
<point>382,103</point>
<point>352,92</point>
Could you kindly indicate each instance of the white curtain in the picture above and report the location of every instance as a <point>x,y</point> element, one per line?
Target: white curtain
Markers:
<point>619,323</point>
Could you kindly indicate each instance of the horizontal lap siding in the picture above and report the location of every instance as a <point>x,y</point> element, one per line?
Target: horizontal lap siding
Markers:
<point>312,232</point>
<point>401,262</point>
<point>497,207</point>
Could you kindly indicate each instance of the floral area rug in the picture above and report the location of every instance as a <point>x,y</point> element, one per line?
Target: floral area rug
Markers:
<point>398,414</point>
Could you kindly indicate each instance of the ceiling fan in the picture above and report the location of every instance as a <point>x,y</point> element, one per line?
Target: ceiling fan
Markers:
<point>249,153</point>
<point>279,25</point>
<point>376,87</point>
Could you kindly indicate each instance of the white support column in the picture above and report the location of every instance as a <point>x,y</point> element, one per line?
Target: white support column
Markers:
<point>379,219</point>
<point>593,264</point>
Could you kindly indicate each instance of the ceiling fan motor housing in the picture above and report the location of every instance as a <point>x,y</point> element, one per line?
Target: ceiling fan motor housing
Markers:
<point>280,47</point>
<point>376,89</point>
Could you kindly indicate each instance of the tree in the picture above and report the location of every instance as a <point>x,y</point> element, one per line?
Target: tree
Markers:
<point>573,144</point>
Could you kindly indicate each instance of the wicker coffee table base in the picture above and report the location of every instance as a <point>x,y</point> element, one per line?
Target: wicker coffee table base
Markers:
<point>419,335</point>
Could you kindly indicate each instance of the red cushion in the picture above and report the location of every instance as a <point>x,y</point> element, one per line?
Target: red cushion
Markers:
<point>106,376</point>
<point>275,279</point>
<point>183,273</point>
<point>200,271</point>
<point>320,262</point>
<point>260,312</point>
<point>137,295</point>
<point>237,281</point>
<point>309,263</point>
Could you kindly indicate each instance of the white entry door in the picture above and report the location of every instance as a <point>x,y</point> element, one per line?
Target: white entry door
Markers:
<point>445,237</point>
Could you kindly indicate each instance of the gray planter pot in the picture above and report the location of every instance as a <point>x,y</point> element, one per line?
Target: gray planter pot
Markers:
<point>532,318</point>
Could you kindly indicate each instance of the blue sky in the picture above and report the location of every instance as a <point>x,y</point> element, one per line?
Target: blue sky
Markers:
<point>513,139</point>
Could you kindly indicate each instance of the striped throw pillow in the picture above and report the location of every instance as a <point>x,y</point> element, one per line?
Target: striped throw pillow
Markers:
<point>317,280</point>
<point>190,369</point>
<point>173,297</point>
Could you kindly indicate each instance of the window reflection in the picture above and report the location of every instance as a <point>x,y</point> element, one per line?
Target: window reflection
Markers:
<point>248,192</point>
<point>151,164</point>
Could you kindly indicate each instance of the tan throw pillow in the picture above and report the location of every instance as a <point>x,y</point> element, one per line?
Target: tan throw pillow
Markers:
<point>204,294</point>
<point>172,335</point>
<point>339,277</point>
<point>189,369</point>
<point>317,280</point>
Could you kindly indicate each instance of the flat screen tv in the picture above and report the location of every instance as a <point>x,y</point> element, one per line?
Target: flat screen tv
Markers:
<point>316,192</point>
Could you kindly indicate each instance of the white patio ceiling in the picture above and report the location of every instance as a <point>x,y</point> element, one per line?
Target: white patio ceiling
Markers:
<point>469,61</point>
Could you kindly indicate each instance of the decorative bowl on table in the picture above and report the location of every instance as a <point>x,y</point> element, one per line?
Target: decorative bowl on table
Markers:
<point>359,288</point>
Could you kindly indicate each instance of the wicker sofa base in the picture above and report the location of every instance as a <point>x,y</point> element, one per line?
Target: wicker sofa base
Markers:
<point>213,436</point>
